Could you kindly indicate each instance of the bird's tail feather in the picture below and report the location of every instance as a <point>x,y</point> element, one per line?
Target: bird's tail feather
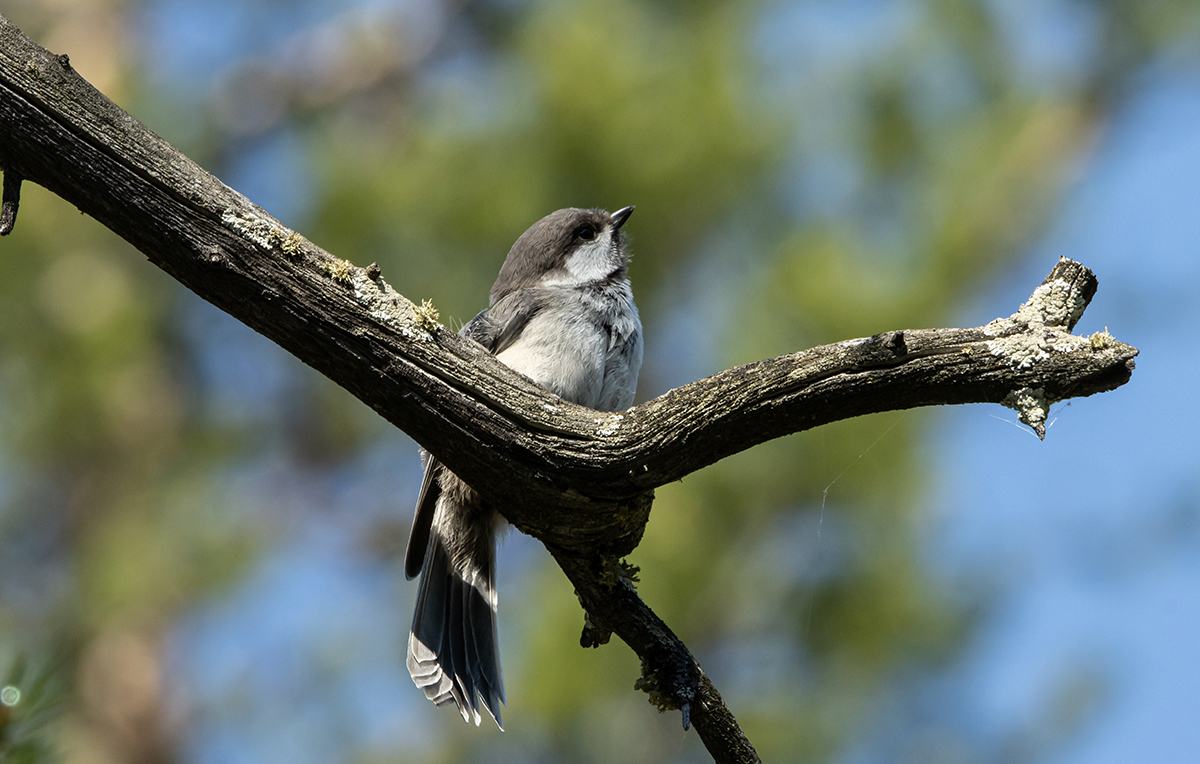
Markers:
<point>453,650</point>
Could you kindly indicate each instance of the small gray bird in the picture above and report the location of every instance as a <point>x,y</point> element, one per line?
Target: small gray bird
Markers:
<point>562,314</point>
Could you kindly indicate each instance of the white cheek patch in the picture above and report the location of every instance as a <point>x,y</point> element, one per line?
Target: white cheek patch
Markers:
<point>592,261</point>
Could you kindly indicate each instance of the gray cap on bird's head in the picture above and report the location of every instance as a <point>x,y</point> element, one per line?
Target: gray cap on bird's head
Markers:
<point>569,247</point>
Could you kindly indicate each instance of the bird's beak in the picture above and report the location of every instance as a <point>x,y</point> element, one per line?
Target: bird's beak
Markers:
<point>620,216</point>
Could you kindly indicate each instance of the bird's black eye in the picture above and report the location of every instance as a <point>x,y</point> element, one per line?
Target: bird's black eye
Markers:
<point>586,232</point>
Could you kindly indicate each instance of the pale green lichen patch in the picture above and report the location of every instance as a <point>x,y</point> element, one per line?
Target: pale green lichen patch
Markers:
<point>1025,349</point>
<point>340,271</point>
<point>650,684</point>
<point>1102,340</point>
<point>427,316</point>
<point>370,290</point>
<point>291,244</point>
<point>251,227</point>
<point>384,305</point>
<point>1054,303</point>
<point>1021,350</point>
<point>666,695</point>
<point>1001,327</point>
<point>263,232</point>
<point>1032,407</point>
<point>616,571</point>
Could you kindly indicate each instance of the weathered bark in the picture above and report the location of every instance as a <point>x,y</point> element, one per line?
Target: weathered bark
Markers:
<point>578,480</point>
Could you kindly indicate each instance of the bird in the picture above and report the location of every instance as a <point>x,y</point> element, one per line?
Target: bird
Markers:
<point>561,312</point>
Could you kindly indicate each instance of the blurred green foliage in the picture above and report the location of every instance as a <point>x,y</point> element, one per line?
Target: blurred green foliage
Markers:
<point>793,571</point>
<point>29,700</point>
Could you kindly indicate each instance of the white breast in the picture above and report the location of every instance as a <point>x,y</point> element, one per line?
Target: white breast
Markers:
<point>563,354</point>
<point>584,347</point>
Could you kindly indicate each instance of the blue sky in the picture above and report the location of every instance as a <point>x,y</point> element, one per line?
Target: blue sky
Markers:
<point>1093,537</point>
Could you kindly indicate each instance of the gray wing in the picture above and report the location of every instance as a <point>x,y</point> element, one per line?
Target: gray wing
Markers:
<point>499,326</point>
<point>418,537</point>
<point>496,329</point>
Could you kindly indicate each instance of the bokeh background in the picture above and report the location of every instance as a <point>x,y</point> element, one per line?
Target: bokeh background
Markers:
<point>201,539</point>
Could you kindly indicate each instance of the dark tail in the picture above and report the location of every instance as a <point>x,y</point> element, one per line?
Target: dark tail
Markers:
<point>453,650</point>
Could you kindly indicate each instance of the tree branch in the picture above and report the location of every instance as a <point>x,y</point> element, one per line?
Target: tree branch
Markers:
<point>578,480</point>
